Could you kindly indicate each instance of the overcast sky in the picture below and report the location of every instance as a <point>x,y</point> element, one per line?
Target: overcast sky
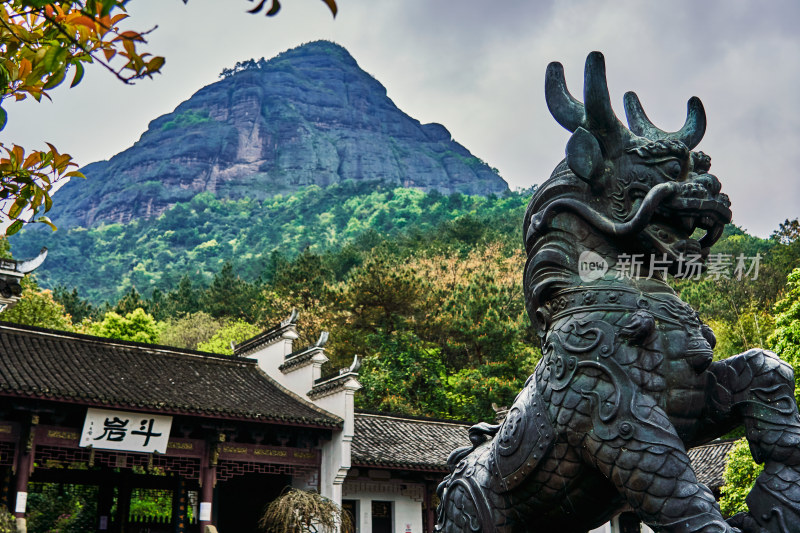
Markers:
<point>478,68</point>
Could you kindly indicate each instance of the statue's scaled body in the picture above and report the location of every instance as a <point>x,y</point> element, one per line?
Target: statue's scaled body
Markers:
<point>626,383</point>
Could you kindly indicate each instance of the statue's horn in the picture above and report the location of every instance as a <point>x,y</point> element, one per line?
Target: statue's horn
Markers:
<point>595,96</point>
<point>690,134</point>
<point>567,111</point>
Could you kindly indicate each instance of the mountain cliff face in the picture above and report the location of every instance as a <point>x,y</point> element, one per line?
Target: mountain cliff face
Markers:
<point>307,116</point>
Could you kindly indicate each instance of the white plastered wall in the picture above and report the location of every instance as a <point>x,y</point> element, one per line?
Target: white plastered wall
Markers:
<point>300,380</point>
<point>406,504</point>
<point>336,452</point>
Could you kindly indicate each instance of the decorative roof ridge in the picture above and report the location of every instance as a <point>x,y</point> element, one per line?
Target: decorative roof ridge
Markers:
<point>266,337</point>
<point>319,345</point>
<point>294,395</point>
<point>141,346</point>
<point>323,387</point>
<point>412,418</point>
<point>303,356</point>
<point>354,367</point>
<point>331,379</point>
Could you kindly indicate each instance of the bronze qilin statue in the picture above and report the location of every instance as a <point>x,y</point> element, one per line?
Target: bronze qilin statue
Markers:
<point>626,383</point>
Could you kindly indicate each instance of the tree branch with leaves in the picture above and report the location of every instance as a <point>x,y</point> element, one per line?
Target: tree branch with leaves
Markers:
<point>40,43</point>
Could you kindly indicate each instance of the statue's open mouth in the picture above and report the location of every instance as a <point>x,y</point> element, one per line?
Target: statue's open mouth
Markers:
<point>690,214</point>
<point>675,222</point>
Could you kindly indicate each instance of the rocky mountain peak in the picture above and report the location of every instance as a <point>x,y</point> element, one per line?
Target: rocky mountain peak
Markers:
<point>310,115</point>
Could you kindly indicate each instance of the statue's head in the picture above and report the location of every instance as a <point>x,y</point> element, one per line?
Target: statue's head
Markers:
<point>641,187</point>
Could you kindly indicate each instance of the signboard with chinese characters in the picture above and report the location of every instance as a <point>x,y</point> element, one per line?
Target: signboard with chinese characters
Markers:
<point>120,430</point>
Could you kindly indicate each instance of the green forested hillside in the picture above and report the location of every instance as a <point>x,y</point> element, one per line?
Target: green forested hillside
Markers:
<point>426,288</point>
<point>197,237</point>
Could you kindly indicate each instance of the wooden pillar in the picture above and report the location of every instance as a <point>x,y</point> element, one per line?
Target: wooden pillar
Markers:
<point>123,503</point>
<point>105,501</point>
<point>208,479</point>
<point>23,468</point>
<point>180,505</point>
<point>430,511</point>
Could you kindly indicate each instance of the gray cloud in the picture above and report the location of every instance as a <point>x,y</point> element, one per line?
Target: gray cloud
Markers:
<point>478,67</point>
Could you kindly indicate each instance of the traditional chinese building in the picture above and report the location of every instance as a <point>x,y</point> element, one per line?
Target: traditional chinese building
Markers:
<point>397,463</point>
<point>86,410</point>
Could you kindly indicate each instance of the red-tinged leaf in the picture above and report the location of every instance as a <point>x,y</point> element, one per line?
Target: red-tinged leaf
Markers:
<point>32,159</point>
<point>332,6</point>
<point>25,68</point>
<point>109,53</point>
<point>79,70</point>
<point>83,20</point>
<point>46,220</point>
<point>130,47</point>
<point>131,35</point>
<point>53,149</point>
<point>19,154</point>
<point>118,17</point>
<point>14,227</point>
<point>62,161</point>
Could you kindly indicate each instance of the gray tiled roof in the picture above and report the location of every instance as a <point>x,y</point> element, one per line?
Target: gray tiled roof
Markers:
<point>401,442</point>
<point>405,442</point>
<point>54,365</point>
<point>709,462</point>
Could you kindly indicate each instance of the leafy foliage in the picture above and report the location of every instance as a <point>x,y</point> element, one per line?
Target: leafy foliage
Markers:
<point>196,238</point>
<point>37,307</point>
<point>62,508</point>
<point>404,375</point>
<point>232,333</point>
<point>785,341</point>
<point>8,524</point>
<point>299,511</point>
<point>190,331</point>
<point>40,42</point>
<point>151,502</point>
<point>740,474</point>
<point>136,326</point>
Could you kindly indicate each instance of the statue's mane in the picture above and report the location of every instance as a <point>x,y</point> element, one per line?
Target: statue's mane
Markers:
<point>549,256</point>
